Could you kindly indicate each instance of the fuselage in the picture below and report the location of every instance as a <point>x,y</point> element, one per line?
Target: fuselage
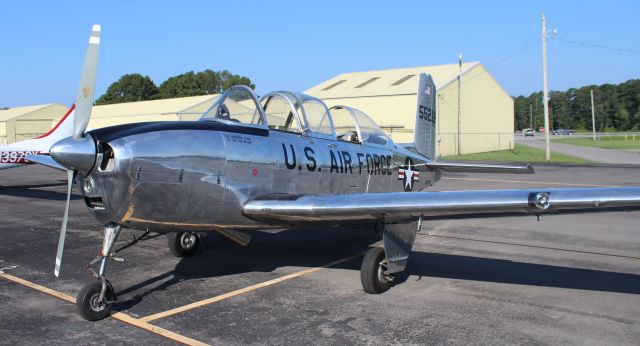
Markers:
<point>172,176</point>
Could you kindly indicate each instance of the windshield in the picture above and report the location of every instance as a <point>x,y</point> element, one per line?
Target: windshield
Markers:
<point>370,131</point>
<point>317,117</point>
<point>237,105</point>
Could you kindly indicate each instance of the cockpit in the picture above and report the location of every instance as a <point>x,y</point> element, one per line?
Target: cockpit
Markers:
<point>296,113</point>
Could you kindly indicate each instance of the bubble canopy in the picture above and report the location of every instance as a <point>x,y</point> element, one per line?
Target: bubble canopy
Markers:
<point>295,112</point>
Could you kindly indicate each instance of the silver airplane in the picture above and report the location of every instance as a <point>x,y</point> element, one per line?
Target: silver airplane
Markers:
<point>283,160</point>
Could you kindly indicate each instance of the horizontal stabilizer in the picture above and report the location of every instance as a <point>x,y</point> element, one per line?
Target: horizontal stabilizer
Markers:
<point>45,160</point>
<point>481,168</point>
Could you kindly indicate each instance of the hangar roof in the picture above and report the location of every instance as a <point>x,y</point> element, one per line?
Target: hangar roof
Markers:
<point>12,113</point>
<point>401,81</point>
<point>153,107</point>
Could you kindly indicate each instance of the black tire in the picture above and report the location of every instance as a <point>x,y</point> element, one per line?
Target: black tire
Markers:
<point>183,244</point>
<point>87,301</point>
<point>371,272</point>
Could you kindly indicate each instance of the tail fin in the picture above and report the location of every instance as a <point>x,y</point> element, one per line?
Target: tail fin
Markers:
<point>64,127</point>
<point>424,135</point>
<point>41,144</point>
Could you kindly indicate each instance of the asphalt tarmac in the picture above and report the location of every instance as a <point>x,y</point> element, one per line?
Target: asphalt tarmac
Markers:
<point>565,279</point>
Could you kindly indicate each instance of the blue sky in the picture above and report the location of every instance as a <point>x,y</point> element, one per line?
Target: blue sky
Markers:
<point>295,44</point>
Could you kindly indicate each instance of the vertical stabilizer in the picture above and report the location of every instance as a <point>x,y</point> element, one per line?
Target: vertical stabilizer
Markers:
<point>424,136</point>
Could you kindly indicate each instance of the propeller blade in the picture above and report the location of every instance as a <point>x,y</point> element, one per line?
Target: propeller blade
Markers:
<point>86,89</point>
<point>63,231</point>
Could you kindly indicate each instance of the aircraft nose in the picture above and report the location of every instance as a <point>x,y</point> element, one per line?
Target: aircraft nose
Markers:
<point>75,154</point>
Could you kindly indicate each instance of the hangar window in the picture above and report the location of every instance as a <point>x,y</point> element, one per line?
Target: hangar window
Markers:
<point>402,80</point>
<point>367,82</point>
<point>334,84</point>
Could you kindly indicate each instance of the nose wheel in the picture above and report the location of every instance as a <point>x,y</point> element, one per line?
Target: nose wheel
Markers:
<point>374,275</point>
<point>183,244</point>
<point>89,304</point>
<point>96,299</point>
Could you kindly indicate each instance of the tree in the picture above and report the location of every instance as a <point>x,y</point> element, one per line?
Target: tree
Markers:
<point>228,79</point>
<point>185,84</point>
<point>129,88</point>
<point>202,83</point>
<point>617,107</point>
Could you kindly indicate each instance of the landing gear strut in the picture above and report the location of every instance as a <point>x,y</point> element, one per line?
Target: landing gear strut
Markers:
<point>96,299</point>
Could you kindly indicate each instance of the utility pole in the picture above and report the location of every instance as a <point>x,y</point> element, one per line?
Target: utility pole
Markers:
<point>593,117</point>
<point>459,102</point>
<point>530,116</point>
<point>545,90</point>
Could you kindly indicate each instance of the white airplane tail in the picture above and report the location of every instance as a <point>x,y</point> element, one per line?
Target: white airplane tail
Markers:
<point>424,136</point>
<point>14,155</point>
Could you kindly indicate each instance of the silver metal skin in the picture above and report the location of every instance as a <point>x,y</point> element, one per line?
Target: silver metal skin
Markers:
<point>424,134</point>
<point>75,154</point>
<point>395,207</point>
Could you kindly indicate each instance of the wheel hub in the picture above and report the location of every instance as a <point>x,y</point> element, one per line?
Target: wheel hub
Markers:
<point>95,304</point>
<point>383,275</point>
<point>187,240</point>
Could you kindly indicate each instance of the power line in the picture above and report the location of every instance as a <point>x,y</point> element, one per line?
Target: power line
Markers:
<point>593,45</point>
<point>503,60</point>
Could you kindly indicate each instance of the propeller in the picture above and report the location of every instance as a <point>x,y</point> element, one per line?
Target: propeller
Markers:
<point>82,114</point>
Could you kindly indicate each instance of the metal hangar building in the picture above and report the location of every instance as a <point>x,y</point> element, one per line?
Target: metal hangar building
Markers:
<point>389,97</point>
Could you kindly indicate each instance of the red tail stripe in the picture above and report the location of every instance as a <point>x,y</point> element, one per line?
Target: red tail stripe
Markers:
<point>59,122</point>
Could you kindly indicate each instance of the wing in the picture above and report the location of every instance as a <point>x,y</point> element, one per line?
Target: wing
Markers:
<point>399,206</point>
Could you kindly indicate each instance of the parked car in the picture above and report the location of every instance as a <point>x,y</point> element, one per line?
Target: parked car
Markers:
<point>562,132</point>
<point>529,133</point>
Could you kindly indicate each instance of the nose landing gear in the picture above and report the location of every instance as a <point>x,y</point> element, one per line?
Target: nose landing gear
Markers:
<point>96,299</point>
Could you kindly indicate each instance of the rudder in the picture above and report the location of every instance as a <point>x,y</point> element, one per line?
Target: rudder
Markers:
<point>424,136</point>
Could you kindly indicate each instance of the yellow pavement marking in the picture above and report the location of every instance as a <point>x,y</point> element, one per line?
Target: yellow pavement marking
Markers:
<point>117,315</point>
<point>37,287</point>
<point>529,182</point>
<point>242,291</point>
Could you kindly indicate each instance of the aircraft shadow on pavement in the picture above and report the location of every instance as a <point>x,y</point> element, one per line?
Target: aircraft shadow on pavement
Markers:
<point>424,264</point>
<point>33,191</point>
<point>313,248</point>
<point>267,252</point>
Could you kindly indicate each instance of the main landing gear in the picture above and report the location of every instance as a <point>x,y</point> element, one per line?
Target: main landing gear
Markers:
<point>183,244</point>
<point>374,274</point>
<point>96,299</point>
<point>380,264</point>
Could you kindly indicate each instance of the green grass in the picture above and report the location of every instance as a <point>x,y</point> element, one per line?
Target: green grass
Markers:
<point>604,142</point>
<point>521,153</point>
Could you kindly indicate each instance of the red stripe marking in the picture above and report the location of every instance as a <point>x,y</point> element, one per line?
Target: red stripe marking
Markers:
<point>59,122</point>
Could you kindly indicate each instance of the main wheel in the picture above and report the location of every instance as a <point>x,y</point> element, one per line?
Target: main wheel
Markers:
<point>88,304</point>
<point>183,244</point>
<point>373,273</point>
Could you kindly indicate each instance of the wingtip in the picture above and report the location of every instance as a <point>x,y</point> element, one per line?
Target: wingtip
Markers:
<point>530,169</point>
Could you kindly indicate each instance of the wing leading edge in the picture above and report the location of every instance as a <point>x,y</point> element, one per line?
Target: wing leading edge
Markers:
<point>398,206</point>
